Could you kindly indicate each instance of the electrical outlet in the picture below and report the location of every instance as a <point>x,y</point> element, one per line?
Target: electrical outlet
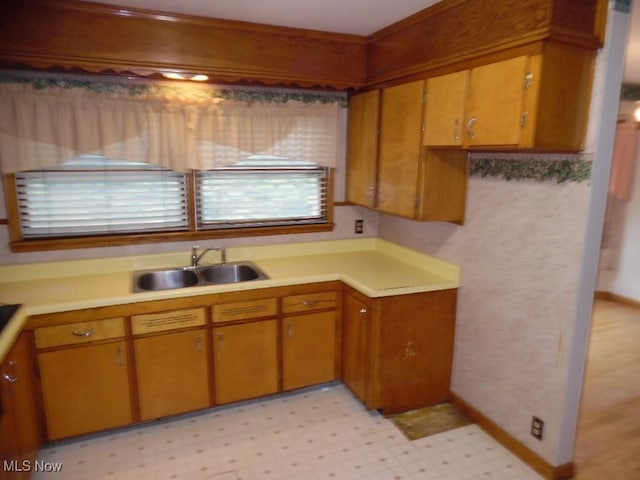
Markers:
<point>537,426</point>
<point>359,226</point>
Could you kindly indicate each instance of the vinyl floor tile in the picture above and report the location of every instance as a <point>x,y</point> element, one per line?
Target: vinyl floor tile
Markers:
<point>316,434</point>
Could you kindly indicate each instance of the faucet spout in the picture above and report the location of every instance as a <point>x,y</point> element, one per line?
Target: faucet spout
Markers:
<point>195,257</point>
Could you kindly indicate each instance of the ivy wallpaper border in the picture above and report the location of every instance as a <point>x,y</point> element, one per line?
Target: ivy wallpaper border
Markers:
<point>542,168</point>
<point>164,88</point>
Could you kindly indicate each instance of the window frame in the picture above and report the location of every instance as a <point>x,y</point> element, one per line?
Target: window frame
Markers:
<point>19,244</point>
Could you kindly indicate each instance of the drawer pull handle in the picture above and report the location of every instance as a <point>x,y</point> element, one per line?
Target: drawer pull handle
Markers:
<point>200,344</point>
<point>290,329</point>
<point>119,357</point>
<point>86,333</point>
<point>470,127</point>
<point>363,311</point>
<point>220,336</point>
<point>309,303</point>
<point>10,378</point>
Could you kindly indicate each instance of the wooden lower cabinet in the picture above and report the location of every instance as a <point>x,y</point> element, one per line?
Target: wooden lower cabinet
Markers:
<point>85,389</point>
<point>172,373</point>
<point>308,349</point>
<point>245,359</point>
<point>397,351</point>
<point>356,318</point>
<point>20,421</point>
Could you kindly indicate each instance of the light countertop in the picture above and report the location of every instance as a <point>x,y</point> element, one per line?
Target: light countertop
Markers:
<point>375,267</point>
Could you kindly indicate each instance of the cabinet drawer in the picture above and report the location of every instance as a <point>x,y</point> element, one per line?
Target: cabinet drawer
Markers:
<point>309,302</point>
<point>82,332</point>
<point>159,322</point>
<point>228,312</point>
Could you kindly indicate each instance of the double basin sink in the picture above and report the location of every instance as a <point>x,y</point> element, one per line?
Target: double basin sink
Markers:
<point>167,279</point>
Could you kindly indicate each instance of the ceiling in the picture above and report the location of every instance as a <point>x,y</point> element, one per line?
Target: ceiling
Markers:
<point>358,17</point>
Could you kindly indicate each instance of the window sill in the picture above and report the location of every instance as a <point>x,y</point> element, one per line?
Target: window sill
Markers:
<point>120,240</point>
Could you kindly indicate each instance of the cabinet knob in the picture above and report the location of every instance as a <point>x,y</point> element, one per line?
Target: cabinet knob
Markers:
<point>10,378</point>
<point>363,311</point>
<point>470,126</point>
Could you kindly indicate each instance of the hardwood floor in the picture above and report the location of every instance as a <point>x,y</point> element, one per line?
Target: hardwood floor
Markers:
<point>608,440</point>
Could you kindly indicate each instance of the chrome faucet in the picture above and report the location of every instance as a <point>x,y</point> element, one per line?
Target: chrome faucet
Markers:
<point>195,257</point>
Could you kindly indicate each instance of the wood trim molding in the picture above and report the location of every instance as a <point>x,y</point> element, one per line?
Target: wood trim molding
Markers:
<point>535,461</point>
<point>614,297</point>
<point>71,35</point>
<point>97,38</point>
<point>19,244</point>
<point>454,31</point>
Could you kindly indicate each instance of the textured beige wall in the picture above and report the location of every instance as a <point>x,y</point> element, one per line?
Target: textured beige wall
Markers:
<point>520,252</point>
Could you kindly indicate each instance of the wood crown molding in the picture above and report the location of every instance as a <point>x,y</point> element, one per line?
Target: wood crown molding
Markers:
<point>72,35</point>
<point>455,31</point>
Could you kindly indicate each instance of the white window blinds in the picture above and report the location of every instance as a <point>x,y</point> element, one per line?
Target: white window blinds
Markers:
<point>120,197</point>
<point>261,193</point>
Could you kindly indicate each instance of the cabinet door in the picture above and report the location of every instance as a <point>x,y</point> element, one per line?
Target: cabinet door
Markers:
<point>415,350</point>
<point>443,186</point>
<point>309,349</point>
<point>9,451</point>
<point>172,373</point>
<point>355,327</point>
<point>19,372</point>
<point>495,103</point>
<point>362,155</point>
<point>245,360</point>
<point>400,145</point>
<point>444,109</point>
<point>85,389</point>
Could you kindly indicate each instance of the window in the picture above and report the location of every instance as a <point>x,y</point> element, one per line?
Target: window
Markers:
<point>90,196</point>
<point>262,191</point>
<point>92,201</point>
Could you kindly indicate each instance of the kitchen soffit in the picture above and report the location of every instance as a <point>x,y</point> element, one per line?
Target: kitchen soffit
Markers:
<point>357,17</point>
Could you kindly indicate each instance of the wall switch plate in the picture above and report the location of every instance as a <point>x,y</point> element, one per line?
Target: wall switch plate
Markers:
<point>537,427</point>
<point>359,226</point>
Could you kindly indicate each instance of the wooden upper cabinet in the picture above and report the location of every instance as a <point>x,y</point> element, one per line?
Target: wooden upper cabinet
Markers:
<point>444,109</point>
<point>495,103</point>
<point>537,101</point>
<point>400,148</point>
<point>362,154</point>
<point>400,176</point>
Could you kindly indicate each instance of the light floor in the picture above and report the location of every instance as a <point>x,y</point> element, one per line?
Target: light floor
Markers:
<point>608,440</point>
<point>323,433</point>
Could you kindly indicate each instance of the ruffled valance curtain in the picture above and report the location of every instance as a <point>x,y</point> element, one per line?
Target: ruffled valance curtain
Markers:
<point>179,127</point>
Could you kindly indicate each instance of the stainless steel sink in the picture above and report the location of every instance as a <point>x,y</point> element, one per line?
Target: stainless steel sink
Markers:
<point>230,273</point>
<point>167,279</point>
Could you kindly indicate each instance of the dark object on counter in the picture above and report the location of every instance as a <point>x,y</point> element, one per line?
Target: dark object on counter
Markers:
<point>6,313</point>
